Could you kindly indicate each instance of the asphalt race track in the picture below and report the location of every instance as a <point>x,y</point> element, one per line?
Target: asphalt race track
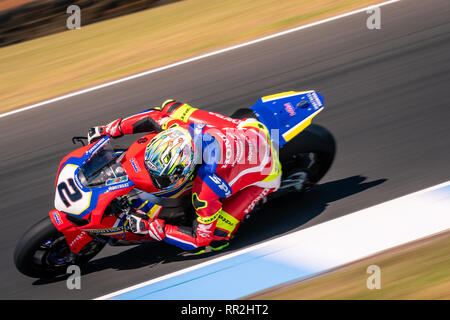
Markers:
<point>387,102</point>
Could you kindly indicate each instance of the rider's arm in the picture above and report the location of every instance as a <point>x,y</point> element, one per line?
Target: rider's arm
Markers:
<point>146,121</point>
<point>207,205</point>
<point>183,114</point>
<point>142,122</point>
<point>155,119</point>
<point>208,189</point>
<point>151,120</point>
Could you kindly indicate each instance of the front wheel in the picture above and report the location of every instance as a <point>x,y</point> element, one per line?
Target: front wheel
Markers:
<point>43,251</point>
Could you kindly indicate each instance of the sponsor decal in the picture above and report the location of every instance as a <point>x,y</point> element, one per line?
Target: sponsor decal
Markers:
<point>221,184</point>
<point>96,146</point>
<point>228,149</point>
<point>315,101</point>
<point>135,165</point>
<point>77,238</point>
<point>226,221</point>
<point>290,109</point>
<point>116,180</point>
<point>264,193</point>
<point>208,220</point>
<point>107,230</point>
<point>183,112</point>
<point>235,121</point>
<point>204,230</point>
<point>57,218</point>
<point>204,227</point>
<point>240,146</point>
<point>119,186</point>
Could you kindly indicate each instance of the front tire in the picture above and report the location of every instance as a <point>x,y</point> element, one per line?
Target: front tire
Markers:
<point>43,252</point>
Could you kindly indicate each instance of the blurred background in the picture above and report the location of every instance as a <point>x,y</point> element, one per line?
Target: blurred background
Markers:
<point>386,98</point>
<point>22,20</point>
<point>119,38</point>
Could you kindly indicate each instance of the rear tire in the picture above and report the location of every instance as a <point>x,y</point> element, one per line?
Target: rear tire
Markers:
<point>316,142</point>
<point>243,113</point>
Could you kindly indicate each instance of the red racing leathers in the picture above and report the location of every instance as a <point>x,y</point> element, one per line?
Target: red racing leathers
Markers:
<point>238,167</point>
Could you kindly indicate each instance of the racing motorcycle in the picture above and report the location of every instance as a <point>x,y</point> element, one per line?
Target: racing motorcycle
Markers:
<point>98,185</point>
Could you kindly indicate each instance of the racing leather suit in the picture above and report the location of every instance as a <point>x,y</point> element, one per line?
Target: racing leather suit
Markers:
<point>239,167</point>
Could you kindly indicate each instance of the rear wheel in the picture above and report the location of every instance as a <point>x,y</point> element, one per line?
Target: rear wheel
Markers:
<point>312,152</point>
<point>43,251</point>
<point>244,113</point>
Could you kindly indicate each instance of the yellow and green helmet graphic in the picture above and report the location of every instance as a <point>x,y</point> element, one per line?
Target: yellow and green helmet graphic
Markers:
<point>169,158</point>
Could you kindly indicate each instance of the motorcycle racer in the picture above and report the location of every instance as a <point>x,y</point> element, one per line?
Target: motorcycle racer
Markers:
<point>232,162</point>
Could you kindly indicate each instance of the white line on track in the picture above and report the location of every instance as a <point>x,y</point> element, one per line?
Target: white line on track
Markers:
<point>203,56</point>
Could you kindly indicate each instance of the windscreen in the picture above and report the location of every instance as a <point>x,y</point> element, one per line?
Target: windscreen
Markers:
<point>103,168</point>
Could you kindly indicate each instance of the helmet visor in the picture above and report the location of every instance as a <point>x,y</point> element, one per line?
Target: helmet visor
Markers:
<point>164,182</point>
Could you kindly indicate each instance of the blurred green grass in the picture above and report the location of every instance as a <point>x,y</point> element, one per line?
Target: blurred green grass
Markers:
<point>419,271</point>
<point>57,64</point>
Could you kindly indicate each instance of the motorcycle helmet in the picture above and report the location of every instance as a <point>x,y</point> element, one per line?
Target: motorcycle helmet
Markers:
<point>169,158</point>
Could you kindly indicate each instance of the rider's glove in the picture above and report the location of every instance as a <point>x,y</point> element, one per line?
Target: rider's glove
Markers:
<point>111,129</point>
<point>140,224</point>
<point>96,133</point>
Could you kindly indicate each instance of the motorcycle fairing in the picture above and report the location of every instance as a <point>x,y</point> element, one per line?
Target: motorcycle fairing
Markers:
<point>91,202</point>
<point>133,163</point>
<point>71,196</point>
<point>289,112</point>
<point>76,238</point>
